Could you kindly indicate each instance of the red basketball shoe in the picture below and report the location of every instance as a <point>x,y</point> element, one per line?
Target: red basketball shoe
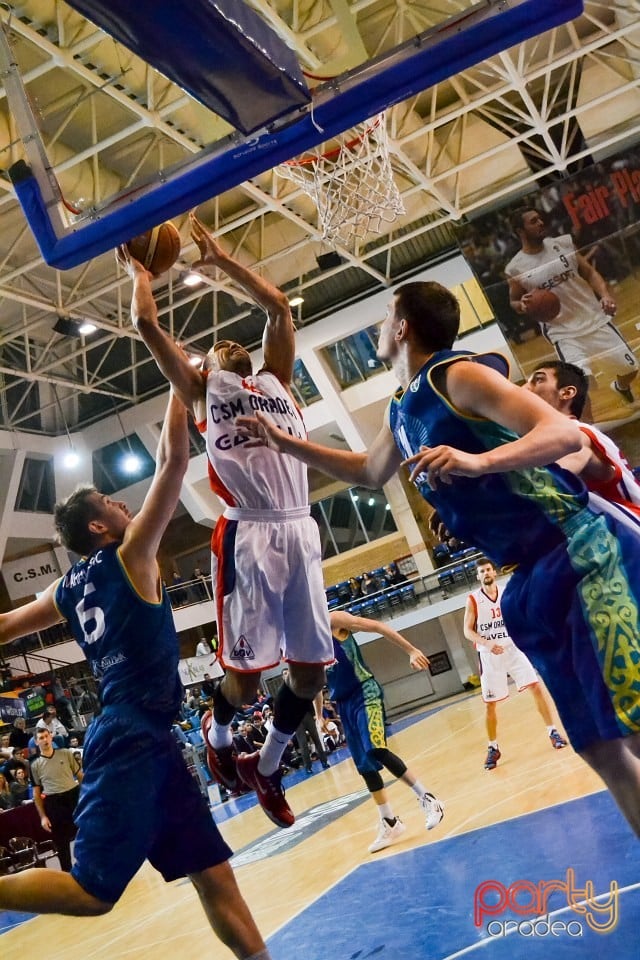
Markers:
<point>268,789</point>
<point>220,760</point>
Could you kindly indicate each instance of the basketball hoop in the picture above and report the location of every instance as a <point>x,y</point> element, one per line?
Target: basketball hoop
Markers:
<point>351,185</point>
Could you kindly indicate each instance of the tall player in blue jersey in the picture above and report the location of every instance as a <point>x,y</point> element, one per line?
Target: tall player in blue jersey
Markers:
<point>481,451</point>
<point>138,800</point>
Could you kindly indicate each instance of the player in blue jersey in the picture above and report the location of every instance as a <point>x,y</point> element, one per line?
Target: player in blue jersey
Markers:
<point>138,800</point>
<point>481,451</point>
<point>359,698</point>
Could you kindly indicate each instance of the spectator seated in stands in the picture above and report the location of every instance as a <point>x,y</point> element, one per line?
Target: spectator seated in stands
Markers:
<point>20,787</point>
<point>355,588</point>
<point>19,736</point>
<point>393,576</point>
<point>18,761</point>
<point>368,585</point>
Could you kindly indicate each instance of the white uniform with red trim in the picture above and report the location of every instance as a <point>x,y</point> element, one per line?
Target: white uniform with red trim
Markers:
<point>622,487</point>
<point>266,553</point>
<point>495,668</point>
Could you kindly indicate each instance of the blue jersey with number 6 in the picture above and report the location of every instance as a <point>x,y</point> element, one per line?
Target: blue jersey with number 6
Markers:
<point>130,643</point>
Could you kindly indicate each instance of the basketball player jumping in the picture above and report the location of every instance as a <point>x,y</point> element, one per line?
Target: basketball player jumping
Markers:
<point>266,563</point>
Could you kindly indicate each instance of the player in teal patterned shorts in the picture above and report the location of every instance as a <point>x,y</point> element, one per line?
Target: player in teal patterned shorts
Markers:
<point>485,454</point>
<point>360,703</point>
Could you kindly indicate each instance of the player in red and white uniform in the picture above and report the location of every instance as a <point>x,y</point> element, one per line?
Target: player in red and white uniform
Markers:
<point>582,330</point>
<point>600,463</point>
<point>266,567</point>
<point>499,659</point>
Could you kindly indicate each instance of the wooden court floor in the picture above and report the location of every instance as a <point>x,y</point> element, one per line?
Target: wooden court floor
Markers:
<point>283,873</point>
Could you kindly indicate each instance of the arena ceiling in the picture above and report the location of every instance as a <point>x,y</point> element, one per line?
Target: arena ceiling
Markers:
<point>528,115</point>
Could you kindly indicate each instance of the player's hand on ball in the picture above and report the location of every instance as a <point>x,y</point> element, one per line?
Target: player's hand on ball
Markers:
<point>129,264</point>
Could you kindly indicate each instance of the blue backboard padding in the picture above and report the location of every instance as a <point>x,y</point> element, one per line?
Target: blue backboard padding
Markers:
<point>362,93</point>
<point>219,51</point>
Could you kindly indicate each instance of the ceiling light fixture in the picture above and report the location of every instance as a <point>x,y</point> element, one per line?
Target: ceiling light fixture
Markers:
<point>192,279</point>
<point>296,301</point>
<point>74,328</point>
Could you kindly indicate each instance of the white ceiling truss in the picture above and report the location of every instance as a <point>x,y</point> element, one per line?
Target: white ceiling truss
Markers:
<point>108,121</point>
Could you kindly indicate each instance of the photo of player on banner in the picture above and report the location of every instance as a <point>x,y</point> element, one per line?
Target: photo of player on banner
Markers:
<point>561,269</point>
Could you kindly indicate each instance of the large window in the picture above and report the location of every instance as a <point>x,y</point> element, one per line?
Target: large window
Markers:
<point>352,518</point>
<point>37,491</point>
<point>353,359</point>
<point>302,386</point>
<point>121,463</point>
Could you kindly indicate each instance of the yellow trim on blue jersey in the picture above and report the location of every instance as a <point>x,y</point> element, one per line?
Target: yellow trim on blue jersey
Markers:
<point>473,357</point>
<point>127,575</point>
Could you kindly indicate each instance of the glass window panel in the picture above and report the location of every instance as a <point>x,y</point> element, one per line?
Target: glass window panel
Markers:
<point>37,490</point>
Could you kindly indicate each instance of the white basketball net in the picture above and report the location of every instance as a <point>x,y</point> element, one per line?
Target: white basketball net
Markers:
<point>352,185</point>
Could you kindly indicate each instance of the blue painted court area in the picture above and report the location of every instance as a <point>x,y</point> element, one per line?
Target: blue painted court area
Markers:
<point>421,903</point>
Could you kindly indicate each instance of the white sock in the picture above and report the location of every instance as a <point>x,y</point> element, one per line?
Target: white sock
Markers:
<point>494,744</point>
<point>219,736</point>
<point>385,811</point>
<point>419,789</point>
<point>550,730</point>
<point>272,750</point>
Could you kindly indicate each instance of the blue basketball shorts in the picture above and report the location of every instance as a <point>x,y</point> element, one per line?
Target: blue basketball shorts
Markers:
<point>138,801</point>
<point>363,722</point>
<point>575,612</point>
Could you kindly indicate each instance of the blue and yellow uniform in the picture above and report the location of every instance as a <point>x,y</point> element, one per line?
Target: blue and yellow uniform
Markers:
<point>360,703</point>
<point>573,603</point>
<point>138,800</point>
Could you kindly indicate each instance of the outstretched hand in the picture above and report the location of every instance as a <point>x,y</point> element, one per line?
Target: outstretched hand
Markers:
<point>129,264</point>
<point>418,660</point>
<point>442,463</point>
<point>262,432</point>
<point>210,250</point>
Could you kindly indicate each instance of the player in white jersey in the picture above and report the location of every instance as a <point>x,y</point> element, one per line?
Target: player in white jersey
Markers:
<point>266,562</point>
<point>582,330</point>
<point>600,463</point>
<point>499,659</point>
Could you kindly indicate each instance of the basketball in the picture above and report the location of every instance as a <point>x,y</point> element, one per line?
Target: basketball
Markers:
<point>542,305</point>
<point>156,249</point>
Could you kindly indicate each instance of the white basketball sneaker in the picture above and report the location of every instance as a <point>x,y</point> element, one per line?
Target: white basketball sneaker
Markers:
<point>387,835</point>
<point>433,810</point>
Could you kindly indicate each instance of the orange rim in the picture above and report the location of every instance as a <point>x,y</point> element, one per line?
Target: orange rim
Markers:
<point>330,154</point>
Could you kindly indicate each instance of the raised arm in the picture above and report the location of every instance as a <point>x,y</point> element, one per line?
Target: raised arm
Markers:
<point>172,361</point>
<point>341,620</point>
<point>544,434</point>
<point>278,340</point>
<point>369,469</point>
<point>144,533</point>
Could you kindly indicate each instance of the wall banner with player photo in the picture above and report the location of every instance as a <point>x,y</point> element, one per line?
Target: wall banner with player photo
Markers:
<point>561,269</point>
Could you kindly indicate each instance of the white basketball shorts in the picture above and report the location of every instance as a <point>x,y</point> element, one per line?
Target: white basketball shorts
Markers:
<point>495,668</point>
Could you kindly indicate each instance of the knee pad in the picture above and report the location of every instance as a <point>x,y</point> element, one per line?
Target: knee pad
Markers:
<point>373,780</point>
<point>390,760</point>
